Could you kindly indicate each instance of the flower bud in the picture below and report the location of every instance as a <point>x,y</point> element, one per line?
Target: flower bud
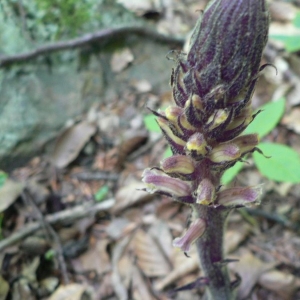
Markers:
<point>196,146</point>
<point>178,164</point>
<point>206,192</point>
<point>159,182</point>
<point>224,153</point>
<point>227,44</point>
<point>246,143</point>
<point>177,144</point>
<point>195,231</point>
<point>240,196</point>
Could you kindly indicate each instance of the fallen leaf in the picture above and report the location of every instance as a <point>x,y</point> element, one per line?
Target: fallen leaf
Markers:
<point>72,291</point>
<point>4,288</point>
<point>121,59</point>
<point>292,120</point>
<point>96,258</point>
<point>9,193</point>
<point>71,142</point>
<point>250,269</point>
<point>182,266</point>
<point>150,258</point>
<point>233,237</point>
<point>130,195</point>
<point>283,284</point>
<point>282,12</point>
<point>142,86</point>
<point>140,289</point>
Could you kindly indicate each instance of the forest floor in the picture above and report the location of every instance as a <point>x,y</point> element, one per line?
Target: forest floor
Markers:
<point>76,225</point>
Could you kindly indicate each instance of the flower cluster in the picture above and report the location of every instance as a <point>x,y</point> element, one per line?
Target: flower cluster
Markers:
<point>212,88</point>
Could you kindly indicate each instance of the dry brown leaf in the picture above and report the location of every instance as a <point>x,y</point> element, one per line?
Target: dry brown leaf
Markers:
<point>162,235</point>
<point>281,283</point>
<point>121,59</point>
<point>281,11</point>
<point>292,120</point>
<point>71,142</point>
<point>72,291</point>
<point>150,258</point>
<point>233,237</point>
<point>129,146</point>
<point>96,258</point>
<point>140,289</point>
<point>182,266</point>
<point>9,193</point>
<point>142,86</point>
<point>129,195</point>
<point>250,269</point>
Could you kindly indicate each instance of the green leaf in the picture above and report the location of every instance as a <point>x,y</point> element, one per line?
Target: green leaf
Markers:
<point>168,152</point>
<point>151,124</point>
<point>291,42</point>
<point>101,193</point>
<point>267,120</point>
<point>3,177</point>
<point>283,166</point>
<point>230,174</point>
<point>296,21</point>
<point>50,254</point>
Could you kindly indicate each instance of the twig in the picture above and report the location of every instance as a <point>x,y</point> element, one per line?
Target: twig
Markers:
<point>58,247</point>
<point>272,217</point>
<point>87,39</point>
<point>67,215</point>
<point>86,176</point>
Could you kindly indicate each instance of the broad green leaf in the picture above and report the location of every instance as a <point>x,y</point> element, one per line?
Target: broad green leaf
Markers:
<point>3,177</point>
<point>101,193</point>
<point>168,152</point>
<point>291,42</point>
<point>267,120</point>
<point>283,166</point>
<point>296,21</point>
<point>151,124</point>
<point>230,174</point>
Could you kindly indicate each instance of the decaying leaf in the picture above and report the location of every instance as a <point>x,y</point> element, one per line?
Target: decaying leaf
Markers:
<point>140,289</point>
<point>250,269</point>
<point>72,291</point>
<point>129,146</point>
<point>182,266</point>
<point>281,283</point>
<point>234,237</point>
<point>121,59</point>
<point>292,121</point>
<point>71,142</point>
<point>96,258</point>
<point>4,288</point>
<point>150,258</point>
<point>130,194</point>
<point>9,193</point>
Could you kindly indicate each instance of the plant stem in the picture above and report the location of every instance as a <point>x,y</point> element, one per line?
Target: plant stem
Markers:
<point>210,251</point>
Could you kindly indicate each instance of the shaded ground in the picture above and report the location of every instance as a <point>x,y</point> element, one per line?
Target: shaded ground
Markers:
<point>76,226</point>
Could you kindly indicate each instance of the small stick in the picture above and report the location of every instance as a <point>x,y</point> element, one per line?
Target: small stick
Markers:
<point>67,215</point>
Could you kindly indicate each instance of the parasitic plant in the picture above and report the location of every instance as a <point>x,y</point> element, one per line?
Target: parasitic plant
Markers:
<point>212,88</point>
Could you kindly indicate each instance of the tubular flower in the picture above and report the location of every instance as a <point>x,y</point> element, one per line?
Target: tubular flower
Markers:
<point>196,229</point>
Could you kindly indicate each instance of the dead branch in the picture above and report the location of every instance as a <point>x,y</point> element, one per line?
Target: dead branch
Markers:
<point>67,215</point>
<point>89,38</point>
